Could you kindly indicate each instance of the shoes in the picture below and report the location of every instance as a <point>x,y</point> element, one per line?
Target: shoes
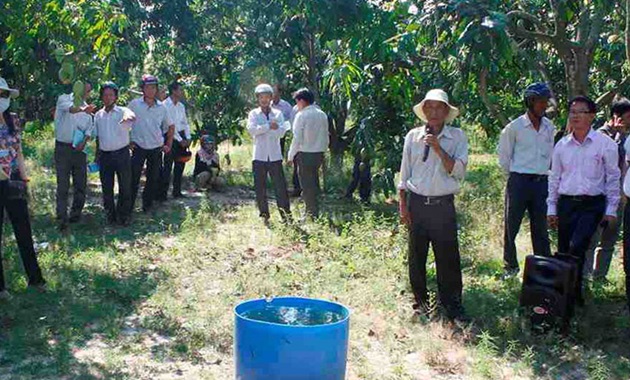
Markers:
<point>295,193</point>
<point>509,273</point>
<point>125,222</point>
<point>5,295</point>
<point>179,195</point>
<point>75,219</point>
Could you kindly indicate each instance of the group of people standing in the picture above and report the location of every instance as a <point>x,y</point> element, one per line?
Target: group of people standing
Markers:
<point>152,136</point>
<point>268,124</point>
<point>569,180</point>
<point>149,134</point>
<point>574,183</point>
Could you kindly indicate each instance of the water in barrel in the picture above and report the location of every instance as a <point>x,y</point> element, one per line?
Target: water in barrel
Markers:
<point>292,315</point>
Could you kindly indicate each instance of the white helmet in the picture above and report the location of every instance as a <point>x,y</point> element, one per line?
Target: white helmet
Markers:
<point>263,88</point>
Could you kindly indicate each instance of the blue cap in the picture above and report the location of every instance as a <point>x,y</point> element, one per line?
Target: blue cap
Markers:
<point>537,90</point>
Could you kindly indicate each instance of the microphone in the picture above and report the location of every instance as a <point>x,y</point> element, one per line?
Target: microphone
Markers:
<point>427,148</point>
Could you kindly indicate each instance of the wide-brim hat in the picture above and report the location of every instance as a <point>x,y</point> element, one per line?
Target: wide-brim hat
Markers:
<point>4,86</point>
<point>440,96</point>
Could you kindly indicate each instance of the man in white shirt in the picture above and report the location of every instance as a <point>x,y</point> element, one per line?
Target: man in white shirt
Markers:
<point>310,141</point>
<point>181,142</point>
<point>433,164</point>
<point>71,161</point>
<point>112,124</point>
<point>147,141</point>
<point>267,126</point>
<point>583,185</point>
<point>525,150</point>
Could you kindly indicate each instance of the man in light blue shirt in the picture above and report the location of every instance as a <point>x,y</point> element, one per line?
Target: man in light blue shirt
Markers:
<point>525,150</point>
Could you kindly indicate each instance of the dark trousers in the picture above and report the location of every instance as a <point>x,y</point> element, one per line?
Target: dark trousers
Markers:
<point>308,171</point>
<point>70,163</point>
<point>435,224</point>
<point>167,169</point>
<point>361,178</point>
<point>116,164</point>
<point>525,192</point>
<point>274,170</point>
<point>153,159</point>
<point>17,210</point>
<point>295,179</point>
<point>626,248</point>
<point>297,188</point>
<point>578,219</point>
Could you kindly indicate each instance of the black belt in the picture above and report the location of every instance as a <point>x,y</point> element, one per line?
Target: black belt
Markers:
<point>583,198</point>
<point>432,201</point>
<point>114,151</point>
<point>63,143</point>
<point>534,177</point>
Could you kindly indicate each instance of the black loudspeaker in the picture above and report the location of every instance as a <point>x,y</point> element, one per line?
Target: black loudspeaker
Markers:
<point>548,293</point>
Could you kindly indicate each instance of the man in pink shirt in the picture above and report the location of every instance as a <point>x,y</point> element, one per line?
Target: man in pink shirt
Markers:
<point>583,185</point>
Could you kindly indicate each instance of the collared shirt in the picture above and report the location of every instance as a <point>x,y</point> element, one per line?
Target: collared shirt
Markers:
<point>523,149</point>
<point>430,178</point>
<point>150,125</point>
<point>177,112</point>
<point>66,123</point>
<point>286,108</point>
<point>266,140</point>
<point>589,168</point>
<point>310,132</point>
<point>111,132</point>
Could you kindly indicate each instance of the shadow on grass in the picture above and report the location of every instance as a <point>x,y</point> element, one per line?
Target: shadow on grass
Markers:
<point>93,231</point>
<point>40,333</point>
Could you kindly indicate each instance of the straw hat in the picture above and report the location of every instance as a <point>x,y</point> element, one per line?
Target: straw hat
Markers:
<point>4,86</point>
<point>440,96</point>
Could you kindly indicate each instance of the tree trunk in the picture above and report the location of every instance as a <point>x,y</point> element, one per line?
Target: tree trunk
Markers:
<point>576,69</point>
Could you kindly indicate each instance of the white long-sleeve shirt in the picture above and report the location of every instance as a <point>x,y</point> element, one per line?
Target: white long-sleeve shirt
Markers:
<point>587,168</point>
<point>430,178</point>
<point>66,123</point>
<point>310,132</point>
<point>522,149</point>
<point>267,140</point>
<point>177,113</point>
<point>112,133</point>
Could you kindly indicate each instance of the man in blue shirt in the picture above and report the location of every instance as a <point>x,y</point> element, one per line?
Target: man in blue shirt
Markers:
<point>525,151</point>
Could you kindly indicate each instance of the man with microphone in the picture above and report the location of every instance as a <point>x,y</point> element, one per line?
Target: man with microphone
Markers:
<point>434,161</point>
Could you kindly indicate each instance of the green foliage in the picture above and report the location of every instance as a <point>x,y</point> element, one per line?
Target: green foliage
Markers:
<point>368,62</point>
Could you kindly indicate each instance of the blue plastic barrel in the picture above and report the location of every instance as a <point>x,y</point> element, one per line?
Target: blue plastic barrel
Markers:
<point>273,351</point>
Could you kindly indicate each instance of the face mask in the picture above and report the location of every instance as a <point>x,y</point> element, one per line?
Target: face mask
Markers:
<point>4,104</point>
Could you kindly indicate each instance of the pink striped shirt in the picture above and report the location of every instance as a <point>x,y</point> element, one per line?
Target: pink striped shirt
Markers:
<point>589,168</point>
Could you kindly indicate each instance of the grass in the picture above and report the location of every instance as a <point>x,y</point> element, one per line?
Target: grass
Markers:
<point>155,300</point>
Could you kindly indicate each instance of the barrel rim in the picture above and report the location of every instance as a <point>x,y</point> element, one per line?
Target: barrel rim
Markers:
<point>340,322</point>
